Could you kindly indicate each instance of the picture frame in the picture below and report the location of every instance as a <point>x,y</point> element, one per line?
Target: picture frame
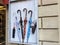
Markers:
<point>13,1</point>
<point>14,17</point>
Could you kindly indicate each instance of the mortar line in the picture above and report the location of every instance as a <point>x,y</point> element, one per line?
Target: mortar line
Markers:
<point>48,4</point>
<point>42,43</point>
<point>48,28</point>
<point>48,16</point>
<point>48,41</point>
<point>41,23</point>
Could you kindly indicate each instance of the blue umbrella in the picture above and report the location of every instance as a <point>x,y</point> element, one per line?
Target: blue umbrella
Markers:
<point>29,26</point>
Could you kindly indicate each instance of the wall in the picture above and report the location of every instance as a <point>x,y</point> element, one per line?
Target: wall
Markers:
<point>48,23</point>
<point>59,19</point>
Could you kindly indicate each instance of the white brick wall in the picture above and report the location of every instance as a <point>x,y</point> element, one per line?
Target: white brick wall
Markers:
<point>48,10</point>
<point>59,20</point>
<point>49,34</point>
<point>48,29</point>
<point>39,23</point>
<point>50,22</point>
<point>39,2</point>
<point>48,43</point>
<point>49,1</point>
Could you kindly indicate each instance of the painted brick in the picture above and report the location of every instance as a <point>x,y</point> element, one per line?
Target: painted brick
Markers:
<point>59,20</point>
<point>50,22</point>
<point>49,35</point>
<point>49,1</point>
<point>39,2</point>
<point>39,23</point>
<point>40,43</point>
<point>47,43</point>
<point>48,10</point>
<point>38,34</point>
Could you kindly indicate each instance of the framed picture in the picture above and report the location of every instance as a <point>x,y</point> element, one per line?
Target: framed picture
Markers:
<point>23,22</point>
<point>11,1</point>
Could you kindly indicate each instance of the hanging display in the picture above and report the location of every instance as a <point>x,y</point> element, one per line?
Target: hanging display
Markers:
<point>23,20</point>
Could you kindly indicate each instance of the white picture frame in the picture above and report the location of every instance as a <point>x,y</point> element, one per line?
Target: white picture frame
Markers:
<point>31,6</point>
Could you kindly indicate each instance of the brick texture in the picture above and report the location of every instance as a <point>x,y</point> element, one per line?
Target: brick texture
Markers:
<point>39,23</point>
<point>48,26</point>
<point>48,43</point>
<point>49,1</point>
<point>49,34</point>
<point>48,10</point>
<point>50,22</point>
<point>39,2</point>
